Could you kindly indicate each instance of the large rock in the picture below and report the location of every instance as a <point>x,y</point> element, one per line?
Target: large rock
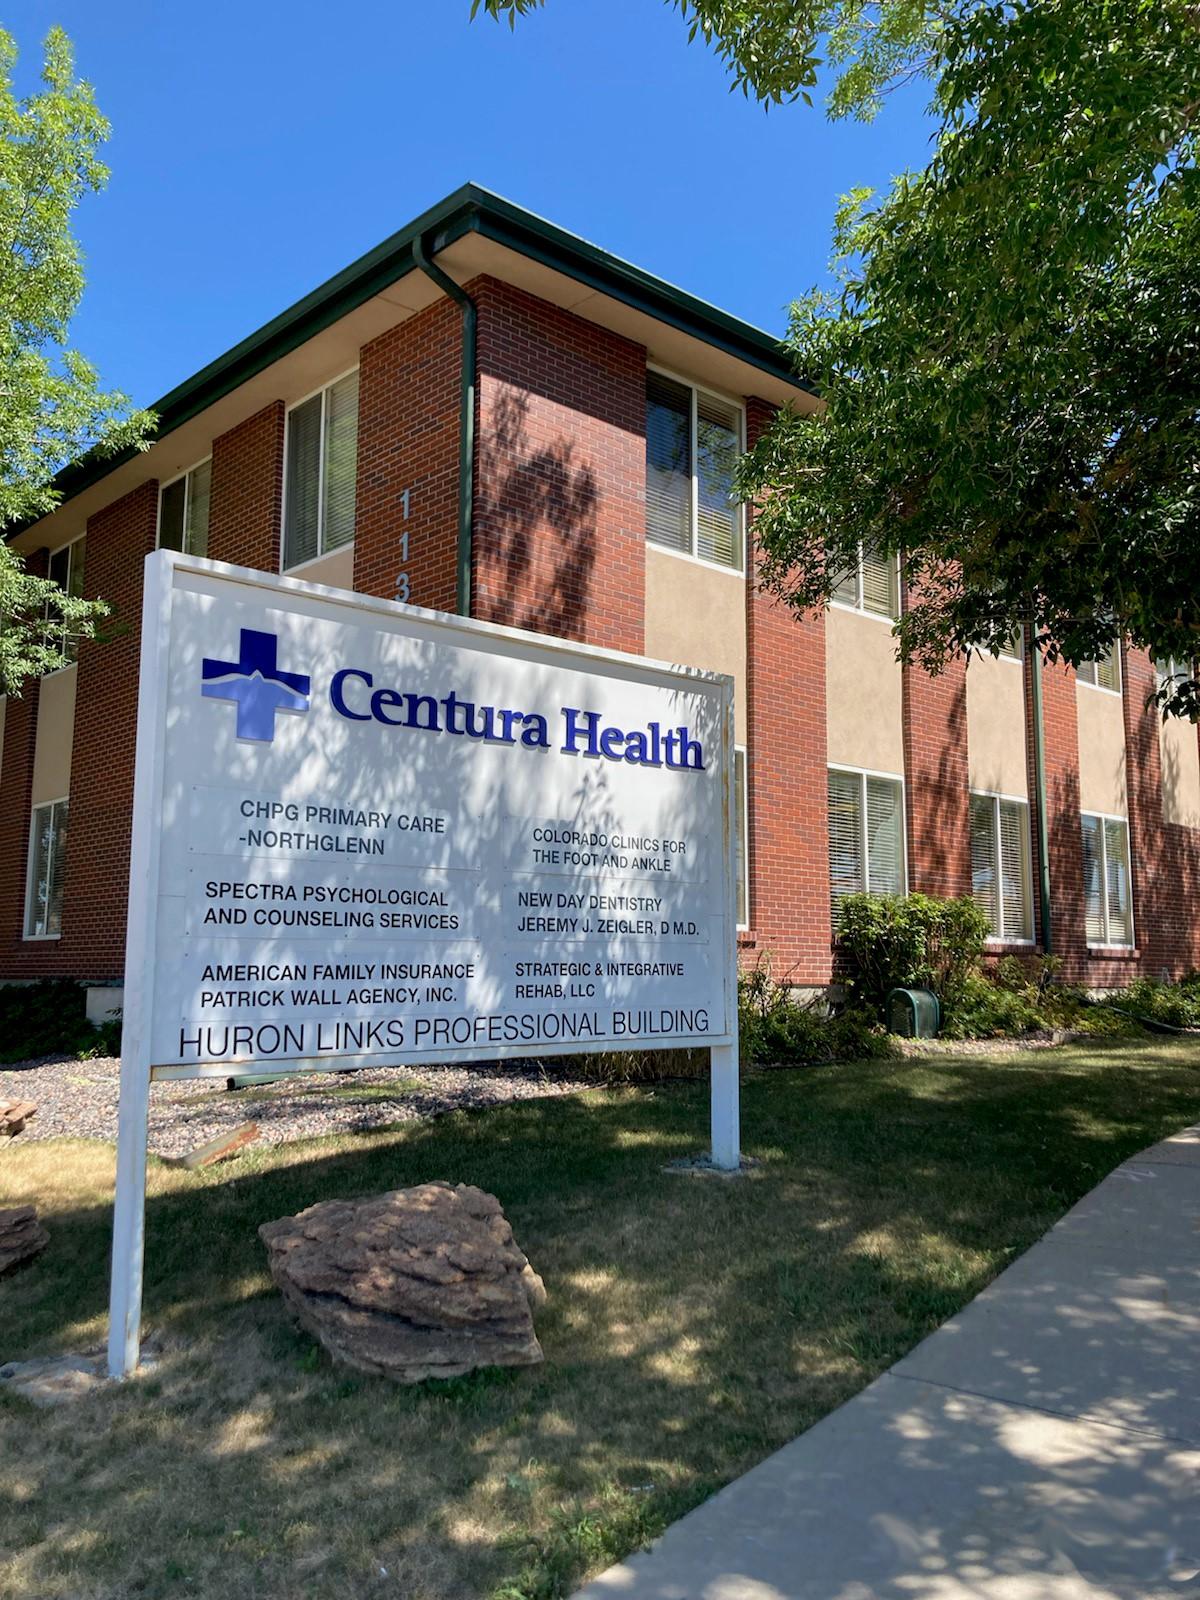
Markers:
<point>418,1283</point>
<point>21,1236</point>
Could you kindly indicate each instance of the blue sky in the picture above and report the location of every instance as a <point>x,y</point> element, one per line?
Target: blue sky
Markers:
<point>259,147</point>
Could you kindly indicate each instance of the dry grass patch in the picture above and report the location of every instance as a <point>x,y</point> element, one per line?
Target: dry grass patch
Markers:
<point>693,1325</point>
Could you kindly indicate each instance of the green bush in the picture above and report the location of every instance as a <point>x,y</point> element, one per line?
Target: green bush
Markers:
<point>985,1009</point>
<point>777,1028</point>
<point>49,1018</point>
<point>1176,1004</point>
<point>910,942</point>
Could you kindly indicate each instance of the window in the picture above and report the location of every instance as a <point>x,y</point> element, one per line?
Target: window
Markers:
<point>322,458</point>
<point>1103,674</point>
<point>183,512</point>
<point>1013,649</point>
<point>47,858</point>
<point>693,441</point>
<point>1107,899</point>
<point>866,834</point>
<point>1172,671</point>
<point>743,839</point>
<point>66,570</point>
<point>873,585</point>
<point>1000,872</point>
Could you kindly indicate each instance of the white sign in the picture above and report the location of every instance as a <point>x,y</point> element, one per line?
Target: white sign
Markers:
<point>365,833</point>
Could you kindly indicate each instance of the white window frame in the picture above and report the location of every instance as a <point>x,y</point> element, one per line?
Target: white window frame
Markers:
<point>739,751</point>
<point>860,610</point>
<point>30,884</point>
<point>997,800</point>
<point>1094,683</point>
<point>170,483</point>
<point>78,538</point>
<point>321,555</point>
<point>864,773</point>
<point>739,408</point>
<point>1106,943</point>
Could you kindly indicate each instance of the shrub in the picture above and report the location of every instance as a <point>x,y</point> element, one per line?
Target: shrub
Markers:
<point>910,942</point>
<point>775,1027</point>
<point>45,1019</point>
<point>1176,1004</point>
<point>984,1009</point>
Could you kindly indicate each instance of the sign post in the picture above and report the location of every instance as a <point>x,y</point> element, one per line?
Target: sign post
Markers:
<point>366,834</point>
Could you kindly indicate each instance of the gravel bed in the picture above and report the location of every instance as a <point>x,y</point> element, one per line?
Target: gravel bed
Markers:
<point>989,1047</point>
<point>79,1098</point>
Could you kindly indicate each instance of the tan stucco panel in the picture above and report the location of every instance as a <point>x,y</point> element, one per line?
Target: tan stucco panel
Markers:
<point>1101,751</point>
<point>55,733</point>
<point>863,693</point>
<point>337,569</point>
<point>696,617</point>
<point>996,756</point>
<point>1180,772</point>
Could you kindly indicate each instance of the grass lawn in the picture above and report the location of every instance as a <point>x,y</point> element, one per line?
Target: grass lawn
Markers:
<point>693,1324</point>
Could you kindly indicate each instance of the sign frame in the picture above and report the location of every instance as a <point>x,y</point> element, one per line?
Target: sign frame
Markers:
<point>138,1070</point>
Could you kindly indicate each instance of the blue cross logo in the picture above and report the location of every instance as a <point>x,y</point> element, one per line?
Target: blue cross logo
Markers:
<point>256,684</point>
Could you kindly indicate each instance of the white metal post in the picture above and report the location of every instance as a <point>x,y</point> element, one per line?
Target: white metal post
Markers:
<point>726,1108</point>
<point>724,1076</point>
<point>129,1207</point>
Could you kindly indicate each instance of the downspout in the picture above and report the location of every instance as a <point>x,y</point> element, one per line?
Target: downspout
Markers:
<point>466,425</point>
<point>1039,779</point>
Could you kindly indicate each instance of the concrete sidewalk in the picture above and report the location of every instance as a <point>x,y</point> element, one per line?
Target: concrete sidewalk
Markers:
<point>1042,1445</point>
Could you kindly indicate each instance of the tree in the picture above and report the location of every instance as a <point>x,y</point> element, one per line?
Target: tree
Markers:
<point>1010,361</point>
<point>51,408</point>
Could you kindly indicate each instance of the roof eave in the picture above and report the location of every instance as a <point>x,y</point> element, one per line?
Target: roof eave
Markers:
<point>468,209</point>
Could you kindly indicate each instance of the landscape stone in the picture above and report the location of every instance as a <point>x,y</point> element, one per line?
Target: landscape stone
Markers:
<point>413,1284</point>
<point>21,1236</point>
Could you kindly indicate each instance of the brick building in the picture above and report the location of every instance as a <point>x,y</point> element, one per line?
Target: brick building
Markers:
<point>570,476</point>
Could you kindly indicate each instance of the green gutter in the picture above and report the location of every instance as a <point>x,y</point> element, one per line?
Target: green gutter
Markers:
<point>468,210</point>
<point>1039,778</point>
<point>466,419</point>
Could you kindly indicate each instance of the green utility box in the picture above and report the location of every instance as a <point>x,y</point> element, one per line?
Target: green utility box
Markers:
<point>914,1013</point>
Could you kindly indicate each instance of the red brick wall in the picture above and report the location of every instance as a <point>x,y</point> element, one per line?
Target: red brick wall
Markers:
<point>97,863</point>
<point>787,780</point>
<point>936,782</point>
<point>1165,855</point>
<point>1064,829</point>
<point>560,473</point>
<point>247,491</point>
<point>18,959</point>
<point>408,438</point>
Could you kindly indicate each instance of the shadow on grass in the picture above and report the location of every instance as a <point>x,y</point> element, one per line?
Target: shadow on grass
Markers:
<point>693,1325</point>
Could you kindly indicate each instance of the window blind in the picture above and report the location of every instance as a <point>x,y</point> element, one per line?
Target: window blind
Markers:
<point>1119,899</point>
<point>885,837</point>
<point>983,859</point>
<point>668,463</point>
<point>341,461</point>
<point>718,520</point>
<point>1015,891</point>
<point>743,865</point>
<point>199,490</point>
<point>1104,673</point>
<point>1093,880</point>
<point>845,587</point>
<point>303,483</point>
<point>171,511</point>
<point>880,584</point>
<point>846,875</point>
<point>43,914</point>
